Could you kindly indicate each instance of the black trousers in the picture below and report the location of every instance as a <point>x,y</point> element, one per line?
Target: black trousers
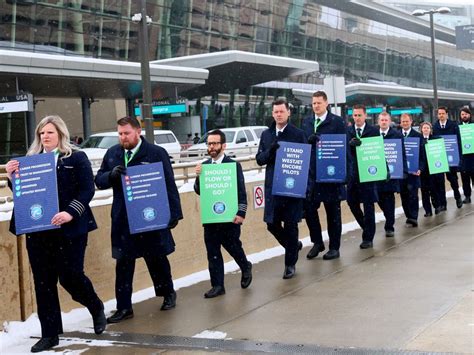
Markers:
<point>467,178</point>
<point>160,272</point>
<point>432,191</point>
<point>366,219</point>
<point>409,197</point>
<point>54,257</point>
<point>333,219</point>
<point>452,177</point>
<point>287,235</point>
<point>228,236</point>
<point>387,205</point>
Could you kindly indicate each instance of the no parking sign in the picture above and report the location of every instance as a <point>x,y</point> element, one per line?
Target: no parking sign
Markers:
<point>258,197</point>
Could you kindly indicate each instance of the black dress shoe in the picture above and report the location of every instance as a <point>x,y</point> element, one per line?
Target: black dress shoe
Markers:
<point>459,202</point>
<point>100,322</point>
<point>169,302</point>
<point>246,278</point>
<point>390,233</point>
<point>120,315</point>
<point>331,254</point>
<point>314,251</point>
<point>300,245</point>
<point>366,245</point>
<point>412,222</point>
<point>440,209</point>
<point>45,344</point>
<point>428,214</point>
<point>215,291</point>
<point>467,200</point>
<point>289,272</point>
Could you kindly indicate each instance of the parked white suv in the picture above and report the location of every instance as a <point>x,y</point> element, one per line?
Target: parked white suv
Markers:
<point>97,144</point>
<point>239,141</point>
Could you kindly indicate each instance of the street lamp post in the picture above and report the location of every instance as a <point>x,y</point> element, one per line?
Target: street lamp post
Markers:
<point>146,111</point>
<point>441,10</point>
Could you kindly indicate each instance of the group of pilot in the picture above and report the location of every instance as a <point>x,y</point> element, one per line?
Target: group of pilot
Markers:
<point>59,254</point>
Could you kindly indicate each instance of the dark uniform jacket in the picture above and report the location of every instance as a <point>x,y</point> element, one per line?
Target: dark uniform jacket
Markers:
<point>411,179</point>
<point>137,245</point>
<point>324,192</point>
<point>467,160</point>
<point>241,193</point>
<point>368,191</point>
<point>289,209</point>
<point>75,190</point>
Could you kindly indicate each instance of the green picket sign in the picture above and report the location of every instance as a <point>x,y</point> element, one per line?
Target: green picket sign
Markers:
<point>467,138</point>
<point>218,186</point>
<point>371,159</point>
<point>437,157</point>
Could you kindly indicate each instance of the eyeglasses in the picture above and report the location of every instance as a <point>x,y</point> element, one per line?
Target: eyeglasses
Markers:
<point>211,144</point>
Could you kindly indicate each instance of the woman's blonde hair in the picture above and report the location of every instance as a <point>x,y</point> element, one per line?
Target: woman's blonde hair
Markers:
<point>64,146</point>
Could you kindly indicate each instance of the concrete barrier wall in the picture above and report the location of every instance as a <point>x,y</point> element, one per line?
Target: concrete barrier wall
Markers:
<point>17,291</point>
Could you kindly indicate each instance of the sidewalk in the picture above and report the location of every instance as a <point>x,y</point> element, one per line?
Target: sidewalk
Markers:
<point>410,294</point>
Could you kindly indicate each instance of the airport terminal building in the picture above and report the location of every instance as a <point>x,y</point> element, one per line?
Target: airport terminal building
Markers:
<point>80,59</point>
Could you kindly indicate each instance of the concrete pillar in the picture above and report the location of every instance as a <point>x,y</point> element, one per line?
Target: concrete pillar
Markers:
<point>86,115</point>
<point>130,103</point>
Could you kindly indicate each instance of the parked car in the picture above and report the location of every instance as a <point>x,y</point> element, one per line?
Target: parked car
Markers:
<point>97,144</point>
<point>239,141</point>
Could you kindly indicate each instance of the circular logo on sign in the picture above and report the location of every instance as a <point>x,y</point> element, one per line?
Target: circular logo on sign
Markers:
<point>36,212</point>
<point>331,170</point>
<point>438,164</point>
<point>149,214</point>
<point>450,158</point>
<point>372,170</point>
<point>467,146</point>
<point>391,168</point>
<point>219,207</point>
<point>289,183</point>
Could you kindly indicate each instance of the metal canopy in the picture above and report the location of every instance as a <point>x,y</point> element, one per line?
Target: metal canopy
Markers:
<point>46,75</point>
<point>395,94</point>
<point>391,16</point>
<point>231,70</point>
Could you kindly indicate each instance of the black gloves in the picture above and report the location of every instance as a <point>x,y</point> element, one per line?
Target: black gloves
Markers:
<point>355,142</point>
<point>116,173</point>
<point>387,179</point>
<point>274,147</point>
<point>314,138</point>
<point>173,223</point>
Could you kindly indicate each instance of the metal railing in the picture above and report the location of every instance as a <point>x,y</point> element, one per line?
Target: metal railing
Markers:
<point>183,172</point>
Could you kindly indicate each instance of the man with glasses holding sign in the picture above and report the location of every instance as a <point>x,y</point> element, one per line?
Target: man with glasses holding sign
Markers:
<point>220,183</point>
<point>328,192</point>
<point>282,213</point>
<point>153,246</point>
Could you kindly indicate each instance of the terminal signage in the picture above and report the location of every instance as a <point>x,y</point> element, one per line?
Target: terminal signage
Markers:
<point>17,103</point>
<point>369,110</point>
<point>465,37</point>
<point>165,107</point>
<point>411,111</point>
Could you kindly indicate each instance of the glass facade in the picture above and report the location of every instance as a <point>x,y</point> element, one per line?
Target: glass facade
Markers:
<point>361,49</point>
